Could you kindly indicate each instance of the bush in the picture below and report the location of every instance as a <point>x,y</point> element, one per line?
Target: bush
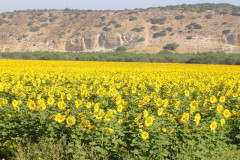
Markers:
<point>34,29</point>
<point>194,26</point>
<point>141,39</point>
<point>169,29</point>
<point>171,46</point>
<point>61,33</point>
<point>159,34</point>
<point>117,25</point>
<point>30,23</point>
<point>100,25</point>
<point>226,31</point>
<point>138,29</point>
<point>121,49</point>
<point>154,27</point>
<point>44,25</point>
<point>107,29</point>
<point>158,21</point>
<point>179,17</point>
<point>208,16</point>
<point>189,37</point>
<point>52,19</point>
<point>103,18</point>
<point>132,18</point>
<point>112,22</point>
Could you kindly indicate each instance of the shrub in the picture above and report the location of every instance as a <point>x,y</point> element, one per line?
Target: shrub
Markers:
<point>107,29</point>
<point>171,46</point>
<point>141,39</point>
<point>34,29</point>
<point>226,31</point>
<point>100,25</point>
<point>189,37</point>
<point>208,16</point>
<point>194,26</point>
<point>117,25</point>
<point>44,25</point>
<point>121,49</point>
<point>132,18</point>
<point>138,29</point>
<point>52,19</point>
<point>159,34</point>
<point>44,19</point>
<point>103,18</point>
<point>158,21</point>
<point>169,29</point>
<point>224,23</point>
<point>154,27</point>
<point>112,22</point>
<point>179,17</point>
<point>30,23</point>
<point>61,33</point>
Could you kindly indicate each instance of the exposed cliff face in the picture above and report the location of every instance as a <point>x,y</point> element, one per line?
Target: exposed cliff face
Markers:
<point>105,31</point>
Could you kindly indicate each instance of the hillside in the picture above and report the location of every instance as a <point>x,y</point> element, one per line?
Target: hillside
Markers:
<point>196,28</point>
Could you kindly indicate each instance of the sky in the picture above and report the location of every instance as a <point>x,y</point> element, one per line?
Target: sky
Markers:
<point>11,5</point>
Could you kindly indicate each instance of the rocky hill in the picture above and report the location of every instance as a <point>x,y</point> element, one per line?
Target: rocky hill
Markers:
<point>196,28</point>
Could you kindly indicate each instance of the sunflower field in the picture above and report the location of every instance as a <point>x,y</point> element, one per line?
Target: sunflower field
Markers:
<point>113,110</point>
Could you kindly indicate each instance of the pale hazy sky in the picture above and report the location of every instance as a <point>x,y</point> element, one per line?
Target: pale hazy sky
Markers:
<point>11,5</point>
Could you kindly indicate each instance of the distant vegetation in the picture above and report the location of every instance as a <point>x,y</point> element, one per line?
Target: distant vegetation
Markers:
<point>121,55</point>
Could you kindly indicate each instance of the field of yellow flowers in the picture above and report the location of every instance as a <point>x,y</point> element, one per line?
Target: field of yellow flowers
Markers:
<point>119,110</point>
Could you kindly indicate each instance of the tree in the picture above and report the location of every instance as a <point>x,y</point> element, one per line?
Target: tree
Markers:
<point>171,46</point>
<point>121,49</point>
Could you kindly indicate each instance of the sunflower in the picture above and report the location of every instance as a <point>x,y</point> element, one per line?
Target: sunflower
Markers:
<point>71,120</point>
<point>149,121</point>
<point>222,121</point>
<point>145,135</point>
<point>160,111</point>
<point>197,119</point>
<point>227,113</point>
<point>59,118</point>
<point>185,117</point>
<point>213,126</point>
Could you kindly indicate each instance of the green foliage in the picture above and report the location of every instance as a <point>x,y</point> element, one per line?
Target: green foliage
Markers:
<point>138,29</point>
<point>103,18</point>
<point>44,25</point>
<point>208,16</point>
<point>2,21</point>
<point>34,29</point>
<point>224,23</point>
<point>61,34</point>
<point>121,49</point>
<point>141,39</point>
<point>107,29</point>
<point>52,19</point>
<point>30,23</point>
<point>43,19</point>
<point>100,25</point>
<point>169,29</point>
<point>154,27</point>
<point>112,22</point>
<point>117,25</point>
<point>171,46</point>
<point>189,37</point>
<point>226,31</point>
<point>194,26</point>
<point>131,18</point>
<point>158,21</point>
<point>162,56</point>
<point>179,17</point>
<point>160,34</point>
